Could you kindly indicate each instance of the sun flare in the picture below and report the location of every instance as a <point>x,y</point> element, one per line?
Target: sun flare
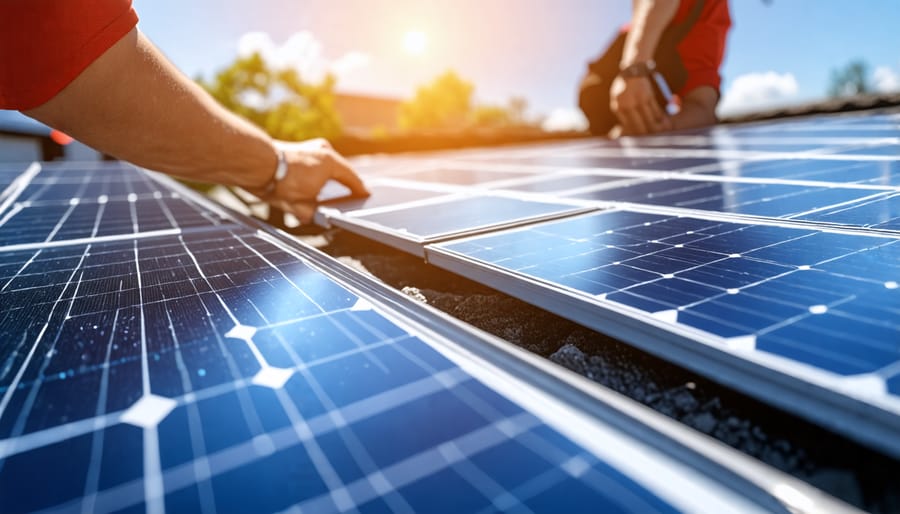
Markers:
<point>415,42</point>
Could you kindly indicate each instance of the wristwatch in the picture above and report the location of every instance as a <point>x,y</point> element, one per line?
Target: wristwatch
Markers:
<point>638,69</point>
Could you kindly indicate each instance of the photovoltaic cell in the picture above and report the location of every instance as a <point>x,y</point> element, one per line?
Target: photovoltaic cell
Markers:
<point>109,201</point>
<point>9,172</point>
<point>555,184</point>
<point>816,188</point>
<point>876,173</point>
<point>818,307</point>
<point>409,227</point>
<point>640,163</point>
<point>891,150</point>
<point>770,200</point>
<point>219,368</point>
<point>881,212</point>
<point>452,216</point>
<point>383,196</point>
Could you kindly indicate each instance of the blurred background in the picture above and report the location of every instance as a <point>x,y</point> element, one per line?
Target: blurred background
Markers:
<point>387,75</point>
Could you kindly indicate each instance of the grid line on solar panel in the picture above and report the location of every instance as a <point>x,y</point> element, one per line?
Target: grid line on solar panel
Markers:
<point>759,199</point>
<point>410,225</point>
<point>74,206</point>
<point>141,347</point>
<point>14,189</point>
<point>885,173</point>
<point>820,306</point>
<point>8,173</point>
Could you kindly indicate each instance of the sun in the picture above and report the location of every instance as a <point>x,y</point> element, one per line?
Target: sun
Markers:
<point>415,42</point>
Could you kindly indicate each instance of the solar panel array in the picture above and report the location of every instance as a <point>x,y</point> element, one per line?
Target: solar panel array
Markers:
<point>158,353</point>
<point>764,256</point>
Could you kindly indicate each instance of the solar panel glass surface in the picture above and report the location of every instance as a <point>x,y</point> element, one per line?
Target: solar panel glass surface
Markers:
<point>218,368</point>
<point>818,306</point>
<point>816,188</point>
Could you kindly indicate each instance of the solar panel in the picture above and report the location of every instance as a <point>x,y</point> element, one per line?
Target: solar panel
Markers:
<point>9,172</point>
<point>226,367</point>
<point>411,226</point>
<point>803,318</point>
<point>883,173</point>
<point>759,199</point>
<point>763,255</point>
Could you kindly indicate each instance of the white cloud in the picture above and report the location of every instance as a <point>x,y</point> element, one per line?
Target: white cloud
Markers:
<point>759,91</point>
<point>886,79</point>
<point>302,52</point>
<point>563,119</point>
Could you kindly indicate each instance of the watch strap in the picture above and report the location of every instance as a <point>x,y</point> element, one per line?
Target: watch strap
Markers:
<point>638,69</point>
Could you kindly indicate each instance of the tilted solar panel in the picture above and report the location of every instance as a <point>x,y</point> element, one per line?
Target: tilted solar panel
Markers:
<point>225,367</point>
<point>763,255</point>
<point>770,309</point>
<point>412,225</point>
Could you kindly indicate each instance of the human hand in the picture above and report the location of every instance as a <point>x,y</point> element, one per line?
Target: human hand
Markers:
<point>311,164</point>
<point>633,102</point>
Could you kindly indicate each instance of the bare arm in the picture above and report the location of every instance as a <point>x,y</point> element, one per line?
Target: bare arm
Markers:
<point>132,103</point>
<point>648,21</point>
<point>632,100</point>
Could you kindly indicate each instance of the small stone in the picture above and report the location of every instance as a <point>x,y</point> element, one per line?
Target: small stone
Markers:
<point>685,401</point>
<point>759,434</point>
<point>415,294</point>
<point>705,423</point>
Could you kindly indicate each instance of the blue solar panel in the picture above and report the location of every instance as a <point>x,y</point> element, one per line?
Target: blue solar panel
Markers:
<point>876,173</point>
<point>803,193</point>
<point>640,163</point>
<point>881,212</point>
<point>889,150</point>
<point>558,183</point>
<point>383,195</point>
<point>9,172</point>
<point>107,201</point>
<point>410,227</point>
<point>806,305</point>
<point>222,368</point>
<point>769,200</point>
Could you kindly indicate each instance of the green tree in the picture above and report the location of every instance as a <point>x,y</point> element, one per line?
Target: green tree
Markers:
<point>852,79</point>
<point>491,116</point>
<point>445,103</point>
<point>279,102</point>
<point>500,116</point>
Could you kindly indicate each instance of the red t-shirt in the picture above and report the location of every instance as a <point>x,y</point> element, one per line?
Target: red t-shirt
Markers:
<point>46,44</point>
<point>703,48</point>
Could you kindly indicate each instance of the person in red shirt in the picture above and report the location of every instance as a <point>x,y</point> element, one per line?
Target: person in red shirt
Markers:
<point>681,41</point>
<point>83,67</point>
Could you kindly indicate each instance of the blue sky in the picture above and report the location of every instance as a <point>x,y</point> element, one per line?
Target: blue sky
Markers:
<point>777,53</point>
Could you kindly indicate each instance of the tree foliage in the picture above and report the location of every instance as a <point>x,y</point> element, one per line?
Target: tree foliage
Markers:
<point>852,79</point>
<point>447,104</point>
<point>278,101</point>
